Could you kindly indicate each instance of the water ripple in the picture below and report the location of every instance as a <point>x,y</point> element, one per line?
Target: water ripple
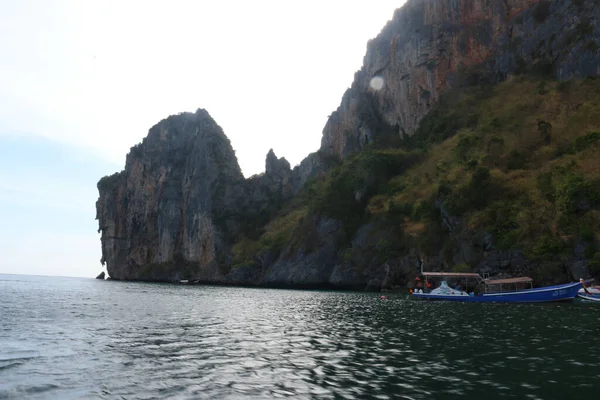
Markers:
<point>104,340</point>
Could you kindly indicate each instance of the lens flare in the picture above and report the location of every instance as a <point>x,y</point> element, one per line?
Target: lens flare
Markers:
<point>376,83</point>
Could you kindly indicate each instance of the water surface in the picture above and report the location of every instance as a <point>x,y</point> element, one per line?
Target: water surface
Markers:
<point>72,338</point>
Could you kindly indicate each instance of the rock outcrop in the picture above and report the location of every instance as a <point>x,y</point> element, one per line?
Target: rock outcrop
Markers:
<point>432,46</point>
<point>181,201</point>
<point>164,216</point>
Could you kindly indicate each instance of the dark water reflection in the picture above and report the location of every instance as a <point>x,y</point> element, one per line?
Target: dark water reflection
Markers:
<point>77,338</point>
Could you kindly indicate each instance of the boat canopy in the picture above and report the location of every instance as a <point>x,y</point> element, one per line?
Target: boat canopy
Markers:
<point>456,274</point>
<point>488,282</point>
<point>522,279</point>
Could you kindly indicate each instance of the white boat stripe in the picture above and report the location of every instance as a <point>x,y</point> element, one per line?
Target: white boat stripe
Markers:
<point>534,290</point>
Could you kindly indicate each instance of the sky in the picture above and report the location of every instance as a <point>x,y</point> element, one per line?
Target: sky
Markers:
<point>82,81</point>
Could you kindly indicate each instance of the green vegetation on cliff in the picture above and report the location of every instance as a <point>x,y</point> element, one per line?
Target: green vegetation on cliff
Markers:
<point>518,160</point>
<point>345,192</point>
<point>342,194</point>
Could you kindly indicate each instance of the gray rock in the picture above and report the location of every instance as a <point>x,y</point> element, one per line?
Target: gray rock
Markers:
<point>578,269</point>
<point>579,250</point>
<point>276,166</point>
<point>344,275</point>
<point>432,46</point>
<point>163,217</point>
<point>245,275</point>
<point>312,166</point>
<point>498,261</point>
<point>450,222</point>
<point>311,257</point>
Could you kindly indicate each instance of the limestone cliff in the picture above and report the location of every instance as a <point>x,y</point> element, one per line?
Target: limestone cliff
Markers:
<point>431,46</point>
<point>181,201</point>
<point>158,210</point>
<point>349,218</point>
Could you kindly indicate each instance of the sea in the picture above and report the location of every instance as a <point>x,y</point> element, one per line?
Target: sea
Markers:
<point>78,338</point>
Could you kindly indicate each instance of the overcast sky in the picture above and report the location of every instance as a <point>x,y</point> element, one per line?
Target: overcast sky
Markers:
<point>83,81</point>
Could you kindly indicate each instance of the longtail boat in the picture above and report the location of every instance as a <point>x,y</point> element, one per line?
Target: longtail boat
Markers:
<point>511,290</point>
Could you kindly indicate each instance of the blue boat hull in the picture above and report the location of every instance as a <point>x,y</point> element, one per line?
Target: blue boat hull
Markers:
<point>565,292</point>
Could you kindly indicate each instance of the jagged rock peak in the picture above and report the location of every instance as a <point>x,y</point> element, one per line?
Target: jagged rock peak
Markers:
<point>274,165</point>
<point>186,135</point>
<point>171,126</point>
<point>176,126</point>
<point>158,213</point>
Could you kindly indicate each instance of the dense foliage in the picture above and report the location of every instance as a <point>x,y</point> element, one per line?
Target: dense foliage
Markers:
<point>519,160</point>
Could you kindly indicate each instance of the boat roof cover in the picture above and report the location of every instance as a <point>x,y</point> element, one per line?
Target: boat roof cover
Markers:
<point>458,274</point>
<point>521,279</point>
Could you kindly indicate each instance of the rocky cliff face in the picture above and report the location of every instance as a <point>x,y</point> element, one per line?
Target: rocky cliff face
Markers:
<point>181,201</point>
<point>431,46</point>
<point>159,209</point>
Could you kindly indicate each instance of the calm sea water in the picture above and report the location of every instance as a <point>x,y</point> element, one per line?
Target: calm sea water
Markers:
<point>70,338</point>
